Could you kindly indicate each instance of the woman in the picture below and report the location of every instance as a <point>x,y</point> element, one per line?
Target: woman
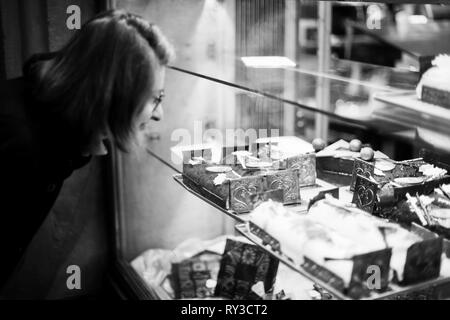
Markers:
<point>106,83</point>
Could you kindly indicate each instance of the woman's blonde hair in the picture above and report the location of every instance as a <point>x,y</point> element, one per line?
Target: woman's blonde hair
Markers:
<point>104,76</point>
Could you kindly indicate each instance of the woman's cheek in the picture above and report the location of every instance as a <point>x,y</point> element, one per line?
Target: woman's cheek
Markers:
<point>142,126</point>
<point>141,137</point>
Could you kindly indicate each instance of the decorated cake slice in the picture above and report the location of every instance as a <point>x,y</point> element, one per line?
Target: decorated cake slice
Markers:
<point>240,177</point>
<point>335,162</point>
<point>342,239</point>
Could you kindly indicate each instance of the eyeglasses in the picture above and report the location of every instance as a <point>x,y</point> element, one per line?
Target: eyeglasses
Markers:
<point>158,100</point>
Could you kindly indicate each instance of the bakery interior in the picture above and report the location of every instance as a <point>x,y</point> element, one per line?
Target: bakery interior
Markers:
<point>304,144</point>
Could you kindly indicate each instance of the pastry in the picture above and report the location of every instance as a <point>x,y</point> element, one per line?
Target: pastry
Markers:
<point>335,162</point>
<point>331,234</point>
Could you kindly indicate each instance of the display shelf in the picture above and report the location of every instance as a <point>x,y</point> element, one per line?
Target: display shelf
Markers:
<point>349,85</point>
<point>238,217</point>
<point>434,289</point>
<point>208,197</point>
<point>405,107</point>
<point>279,77</point>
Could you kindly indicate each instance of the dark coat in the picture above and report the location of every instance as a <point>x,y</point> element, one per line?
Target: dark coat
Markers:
<point>36,155</point>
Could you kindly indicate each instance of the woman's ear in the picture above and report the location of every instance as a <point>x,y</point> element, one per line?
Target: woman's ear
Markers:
<point>97,145</point>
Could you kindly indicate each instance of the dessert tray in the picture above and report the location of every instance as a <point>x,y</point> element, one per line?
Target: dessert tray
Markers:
<point>436,288</point>
<point>377,191</point>
<point>241,176</point>
<point>241,179</point>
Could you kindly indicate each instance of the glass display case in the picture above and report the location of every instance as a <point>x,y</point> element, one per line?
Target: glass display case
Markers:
<point>254,69</point>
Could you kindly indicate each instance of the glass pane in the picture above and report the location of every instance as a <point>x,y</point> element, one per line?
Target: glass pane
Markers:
<point>390,59</point>
<point>255,65</point>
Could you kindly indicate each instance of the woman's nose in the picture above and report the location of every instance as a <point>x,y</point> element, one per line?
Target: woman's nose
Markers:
<point>158,113</point>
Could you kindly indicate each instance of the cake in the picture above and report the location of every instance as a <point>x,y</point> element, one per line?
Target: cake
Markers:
<point>380,191</point>
<point>335,162</point>
<point>238,177</point>
<point>333,234</point>
<point>367,231</point>
<point>434,86</point>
